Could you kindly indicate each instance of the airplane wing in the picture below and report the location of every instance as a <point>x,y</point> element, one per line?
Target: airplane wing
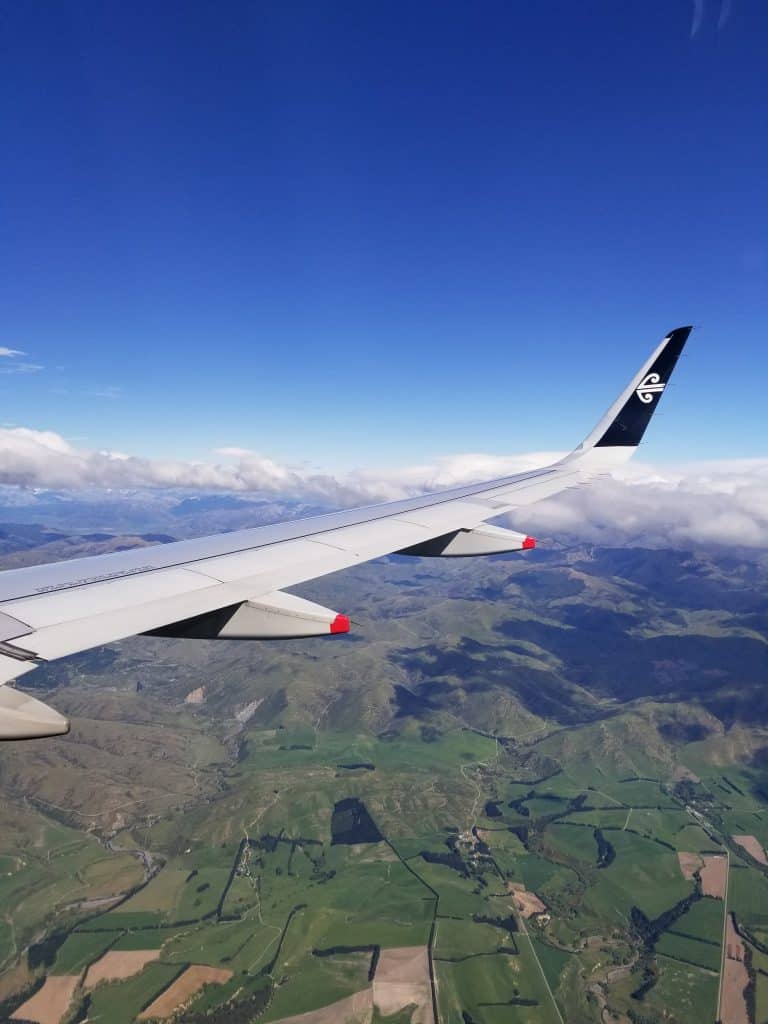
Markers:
<point>231,586</point>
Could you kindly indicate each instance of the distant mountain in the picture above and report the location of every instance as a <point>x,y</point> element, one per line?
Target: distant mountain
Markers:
<point>560,637</point>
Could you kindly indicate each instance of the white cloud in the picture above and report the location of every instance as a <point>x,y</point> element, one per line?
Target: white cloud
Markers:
<point>712,503</point>
<point>709,504</point>
<point>35,458</point>
<point>10,352</point>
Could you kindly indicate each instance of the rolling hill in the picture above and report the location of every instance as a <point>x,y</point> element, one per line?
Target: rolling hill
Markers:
<point>499,768</point>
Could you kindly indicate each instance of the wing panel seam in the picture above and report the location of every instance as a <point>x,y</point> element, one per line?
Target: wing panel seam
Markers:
<point>524,480</point>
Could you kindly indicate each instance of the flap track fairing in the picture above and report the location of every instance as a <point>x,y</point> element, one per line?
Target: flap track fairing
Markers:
<point>25,718</point>
<point>276,616</point>
<point>483,540</point>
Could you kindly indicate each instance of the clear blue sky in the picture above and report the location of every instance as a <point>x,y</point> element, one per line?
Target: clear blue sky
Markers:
<point>358,232</point>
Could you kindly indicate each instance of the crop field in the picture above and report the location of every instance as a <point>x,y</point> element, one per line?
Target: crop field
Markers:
<point>553,960</point>
<point>613,816</point>
<point>542,875</point>
<point>748,895</point>
<point>454,943</point>
<point>666,825</point>
<point>325,980</point>
<point>573,842</point>
<point>116,965</point>
<point>122,1002</point>
<point>81,949</point>
<point>142,938</point>
<point>51,1002</point>
<point>688,992</point>
<point>241,943</point>
<point>182,989</point>
<point>644,869</point>
<point>693,837</point>
<point>495,989</point>
<point>690,951</point>
<point>702,919</point>
<point>384,796</point>
<point>313,869</point>
<point>583,690</point>
<point>160,896</point>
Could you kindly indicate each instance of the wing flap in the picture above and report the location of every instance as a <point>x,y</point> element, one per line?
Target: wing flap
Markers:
<point>363,542</point>
<point>461,513</point>
<point>527,492</point>
<point>256,568</point>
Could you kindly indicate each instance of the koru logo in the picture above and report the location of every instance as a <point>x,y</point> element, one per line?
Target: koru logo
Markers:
<point>652,385</point>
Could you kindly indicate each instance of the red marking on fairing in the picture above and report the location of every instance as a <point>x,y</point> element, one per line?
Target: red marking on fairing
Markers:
<point>340,624</point>
<point>529,542</point>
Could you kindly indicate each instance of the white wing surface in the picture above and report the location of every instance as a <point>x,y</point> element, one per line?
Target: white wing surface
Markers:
<point>231,585</point>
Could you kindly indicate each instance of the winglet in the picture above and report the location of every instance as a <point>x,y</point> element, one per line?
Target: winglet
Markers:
<point>625,422</point>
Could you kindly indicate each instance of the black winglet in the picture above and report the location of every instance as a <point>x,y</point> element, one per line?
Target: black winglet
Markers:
<point>629,424</point>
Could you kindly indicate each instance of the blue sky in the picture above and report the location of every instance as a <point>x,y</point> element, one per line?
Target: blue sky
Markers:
<point>376,233</point>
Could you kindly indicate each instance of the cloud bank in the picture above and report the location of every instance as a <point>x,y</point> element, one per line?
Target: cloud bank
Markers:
<point>714,503</point>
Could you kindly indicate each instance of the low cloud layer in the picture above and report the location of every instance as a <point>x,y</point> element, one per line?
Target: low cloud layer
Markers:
<point>715,503</point>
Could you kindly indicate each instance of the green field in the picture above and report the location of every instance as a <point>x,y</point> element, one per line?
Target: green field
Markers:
<point>324,980</point>
<point>644,874</point>
<point>81,949</point>
<point>748,895</point>
<point>363,804</point>
<point>120,1002</point>
<point>470,939</point>
<point>688,992</point>
<point>690,951</point>
<point>703,920</point>
<point>477,985</point>
<point>289,893</point>
<point>553,962</point>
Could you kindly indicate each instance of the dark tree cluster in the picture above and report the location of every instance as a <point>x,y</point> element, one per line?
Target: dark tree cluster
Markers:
<point>605,851</point>
<point>43,953</point>
<point>351,823</point>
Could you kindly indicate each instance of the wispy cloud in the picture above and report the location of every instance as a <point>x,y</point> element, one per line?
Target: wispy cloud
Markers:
<point>698,15</point>
<point>20,368</point>
<point>14,363</point>
<point>712,503</point>
<point>109,391</point>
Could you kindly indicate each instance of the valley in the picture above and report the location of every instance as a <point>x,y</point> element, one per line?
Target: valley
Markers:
<point>524,790</point>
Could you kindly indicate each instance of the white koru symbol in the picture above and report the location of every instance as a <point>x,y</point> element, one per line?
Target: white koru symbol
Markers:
<point>651,386</point>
